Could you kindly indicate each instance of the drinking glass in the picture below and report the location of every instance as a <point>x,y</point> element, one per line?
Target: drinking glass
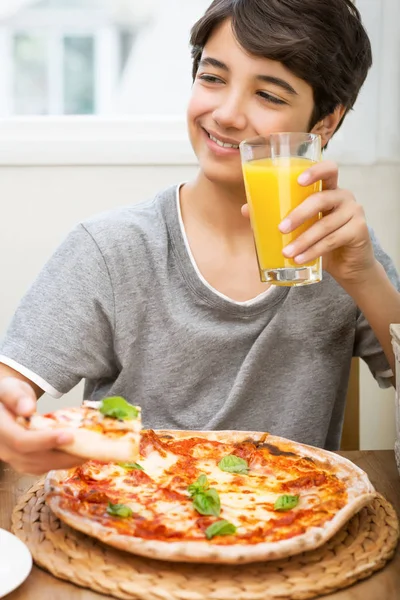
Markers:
<point>271,167</point>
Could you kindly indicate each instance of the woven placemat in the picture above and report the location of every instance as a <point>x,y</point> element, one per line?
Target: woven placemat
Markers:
<point>362,547</point>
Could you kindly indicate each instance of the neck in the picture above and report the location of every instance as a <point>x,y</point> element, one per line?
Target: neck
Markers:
<point>216,206</point>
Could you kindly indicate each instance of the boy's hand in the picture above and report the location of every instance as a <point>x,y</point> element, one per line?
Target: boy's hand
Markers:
<point>33,452</point>
<point>341,237</point>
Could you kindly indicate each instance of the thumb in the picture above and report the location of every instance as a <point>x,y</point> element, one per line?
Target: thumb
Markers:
<point>245,211</point>
<point>17,396</point>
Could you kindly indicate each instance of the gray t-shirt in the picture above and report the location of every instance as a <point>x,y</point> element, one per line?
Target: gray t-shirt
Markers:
<point>122,305</point>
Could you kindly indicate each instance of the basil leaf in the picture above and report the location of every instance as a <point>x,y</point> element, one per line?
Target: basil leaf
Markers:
<point>118,408</point>
<point>207,503</point>
<point>286,502</point>
<point>234,464</point>
<point>205,499</point>
<point>130,466</point>
<point>119,510</point>
<point>202,480</point>
<point>220,528</point>
<point>198,486</point>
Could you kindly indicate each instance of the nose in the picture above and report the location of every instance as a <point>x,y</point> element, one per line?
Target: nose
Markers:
<point>230,113</point>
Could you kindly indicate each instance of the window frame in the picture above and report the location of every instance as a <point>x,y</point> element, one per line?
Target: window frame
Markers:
<point>56,24</point>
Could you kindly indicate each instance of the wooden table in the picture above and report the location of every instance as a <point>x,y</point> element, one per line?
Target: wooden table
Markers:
<point>384,585</point>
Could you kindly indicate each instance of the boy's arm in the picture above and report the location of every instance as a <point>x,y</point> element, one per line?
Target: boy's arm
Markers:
<point>343,239</point>
<point>63,332</point>
<point>379,301</point>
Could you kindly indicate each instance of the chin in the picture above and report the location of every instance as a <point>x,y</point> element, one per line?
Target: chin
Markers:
<point>228,173</point>
<point>222,176</point>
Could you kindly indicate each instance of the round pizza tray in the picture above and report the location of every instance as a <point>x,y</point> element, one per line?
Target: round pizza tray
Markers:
<point>360,548</point>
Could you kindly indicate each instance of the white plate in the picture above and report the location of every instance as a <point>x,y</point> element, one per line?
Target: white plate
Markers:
<point>15,562</point>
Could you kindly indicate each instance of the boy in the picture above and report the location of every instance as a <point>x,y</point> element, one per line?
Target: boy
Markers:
<point>161,302</point>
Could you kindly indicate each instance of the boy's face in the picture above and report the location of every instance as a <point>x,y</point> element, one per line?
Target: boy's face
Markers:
<point>237,96</point>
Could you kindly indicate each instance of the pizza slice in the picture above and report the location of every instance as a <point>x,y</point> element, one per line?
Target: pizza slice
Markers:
<point>107,431</point>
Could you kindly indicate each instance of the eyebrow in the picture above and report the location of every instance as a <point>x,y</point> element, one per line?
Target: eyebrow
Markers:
<point>213,62</point>
<point>278,82</point>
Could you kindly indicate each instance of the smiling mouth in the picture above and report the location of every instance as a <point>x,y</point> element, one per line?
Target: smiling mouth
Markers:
<point>220,143</point>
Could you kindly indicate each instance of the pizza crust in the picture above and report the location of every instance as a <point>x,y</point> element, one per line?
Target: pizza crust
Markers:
<point>91,444</point>
<point>359,489</point>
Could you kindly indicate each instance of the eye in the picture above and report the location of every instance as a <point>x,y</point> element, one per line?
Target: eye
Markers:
<point>271,99</point>
<point>210,79</point>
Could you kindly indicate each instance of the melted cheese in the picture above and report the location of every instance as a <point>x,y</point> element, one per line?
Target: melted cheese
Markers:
<point>155,465</point>
<point>159,496</point>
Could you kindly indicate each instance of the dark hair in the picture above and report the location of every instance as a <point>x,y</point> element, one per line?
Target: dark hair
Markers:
<point>322,42</point>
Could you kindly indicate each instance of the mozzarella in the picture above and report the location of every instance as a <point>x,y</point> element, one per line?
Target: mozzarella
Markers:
<point>155,465</point>
<point>247,500</point>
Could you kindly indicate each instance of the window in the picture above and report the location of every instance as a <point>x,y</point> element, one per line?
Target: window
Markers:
<point>85,57</point>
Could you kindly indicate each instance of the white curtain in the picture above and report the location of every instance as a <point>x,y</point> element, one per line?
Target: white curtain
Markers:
<point>8,8</point>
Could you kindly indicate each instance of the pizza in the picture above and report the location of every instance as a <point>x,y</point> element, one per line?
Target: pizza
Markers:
<point>212,497</point>
<point>106,431</point>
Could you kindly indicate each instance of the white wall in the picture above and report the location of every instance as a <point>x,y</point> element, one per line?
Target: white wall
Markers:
<point>40,204</point>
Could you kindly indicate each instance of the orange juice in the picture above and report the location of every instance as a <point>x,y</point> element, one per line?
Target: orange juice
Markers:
<point>272,193</point>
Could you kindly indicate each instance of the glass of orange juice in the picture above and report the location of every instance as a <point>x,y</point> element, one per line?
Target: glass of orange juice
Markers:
<point>271,167</point>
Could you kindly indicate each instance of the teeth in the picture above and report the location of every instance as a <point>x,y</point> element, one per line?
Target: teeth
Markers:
<point>222,144</point>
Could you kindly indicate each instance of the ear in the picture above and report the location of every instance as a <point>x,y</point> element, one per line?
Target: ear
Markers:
<point>328,125</point>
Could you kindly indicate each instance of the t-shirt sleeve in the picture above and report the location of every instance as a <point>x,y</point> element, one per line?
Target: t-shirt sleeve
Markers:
<point>63,328</point>
<point>366,345</point>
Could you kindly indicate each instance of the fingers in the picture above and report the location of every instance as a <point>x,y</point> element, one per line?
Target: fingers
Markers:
<point>17,396</point>
<point>316,204</point>
<point>327,171</point>
<point>245,211</point>
<point>339,238</point>
<point>40,463</point>
<point>343,223</point>
<point>33,452</point>
<point>321,230</point>
<point>14,439</point>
